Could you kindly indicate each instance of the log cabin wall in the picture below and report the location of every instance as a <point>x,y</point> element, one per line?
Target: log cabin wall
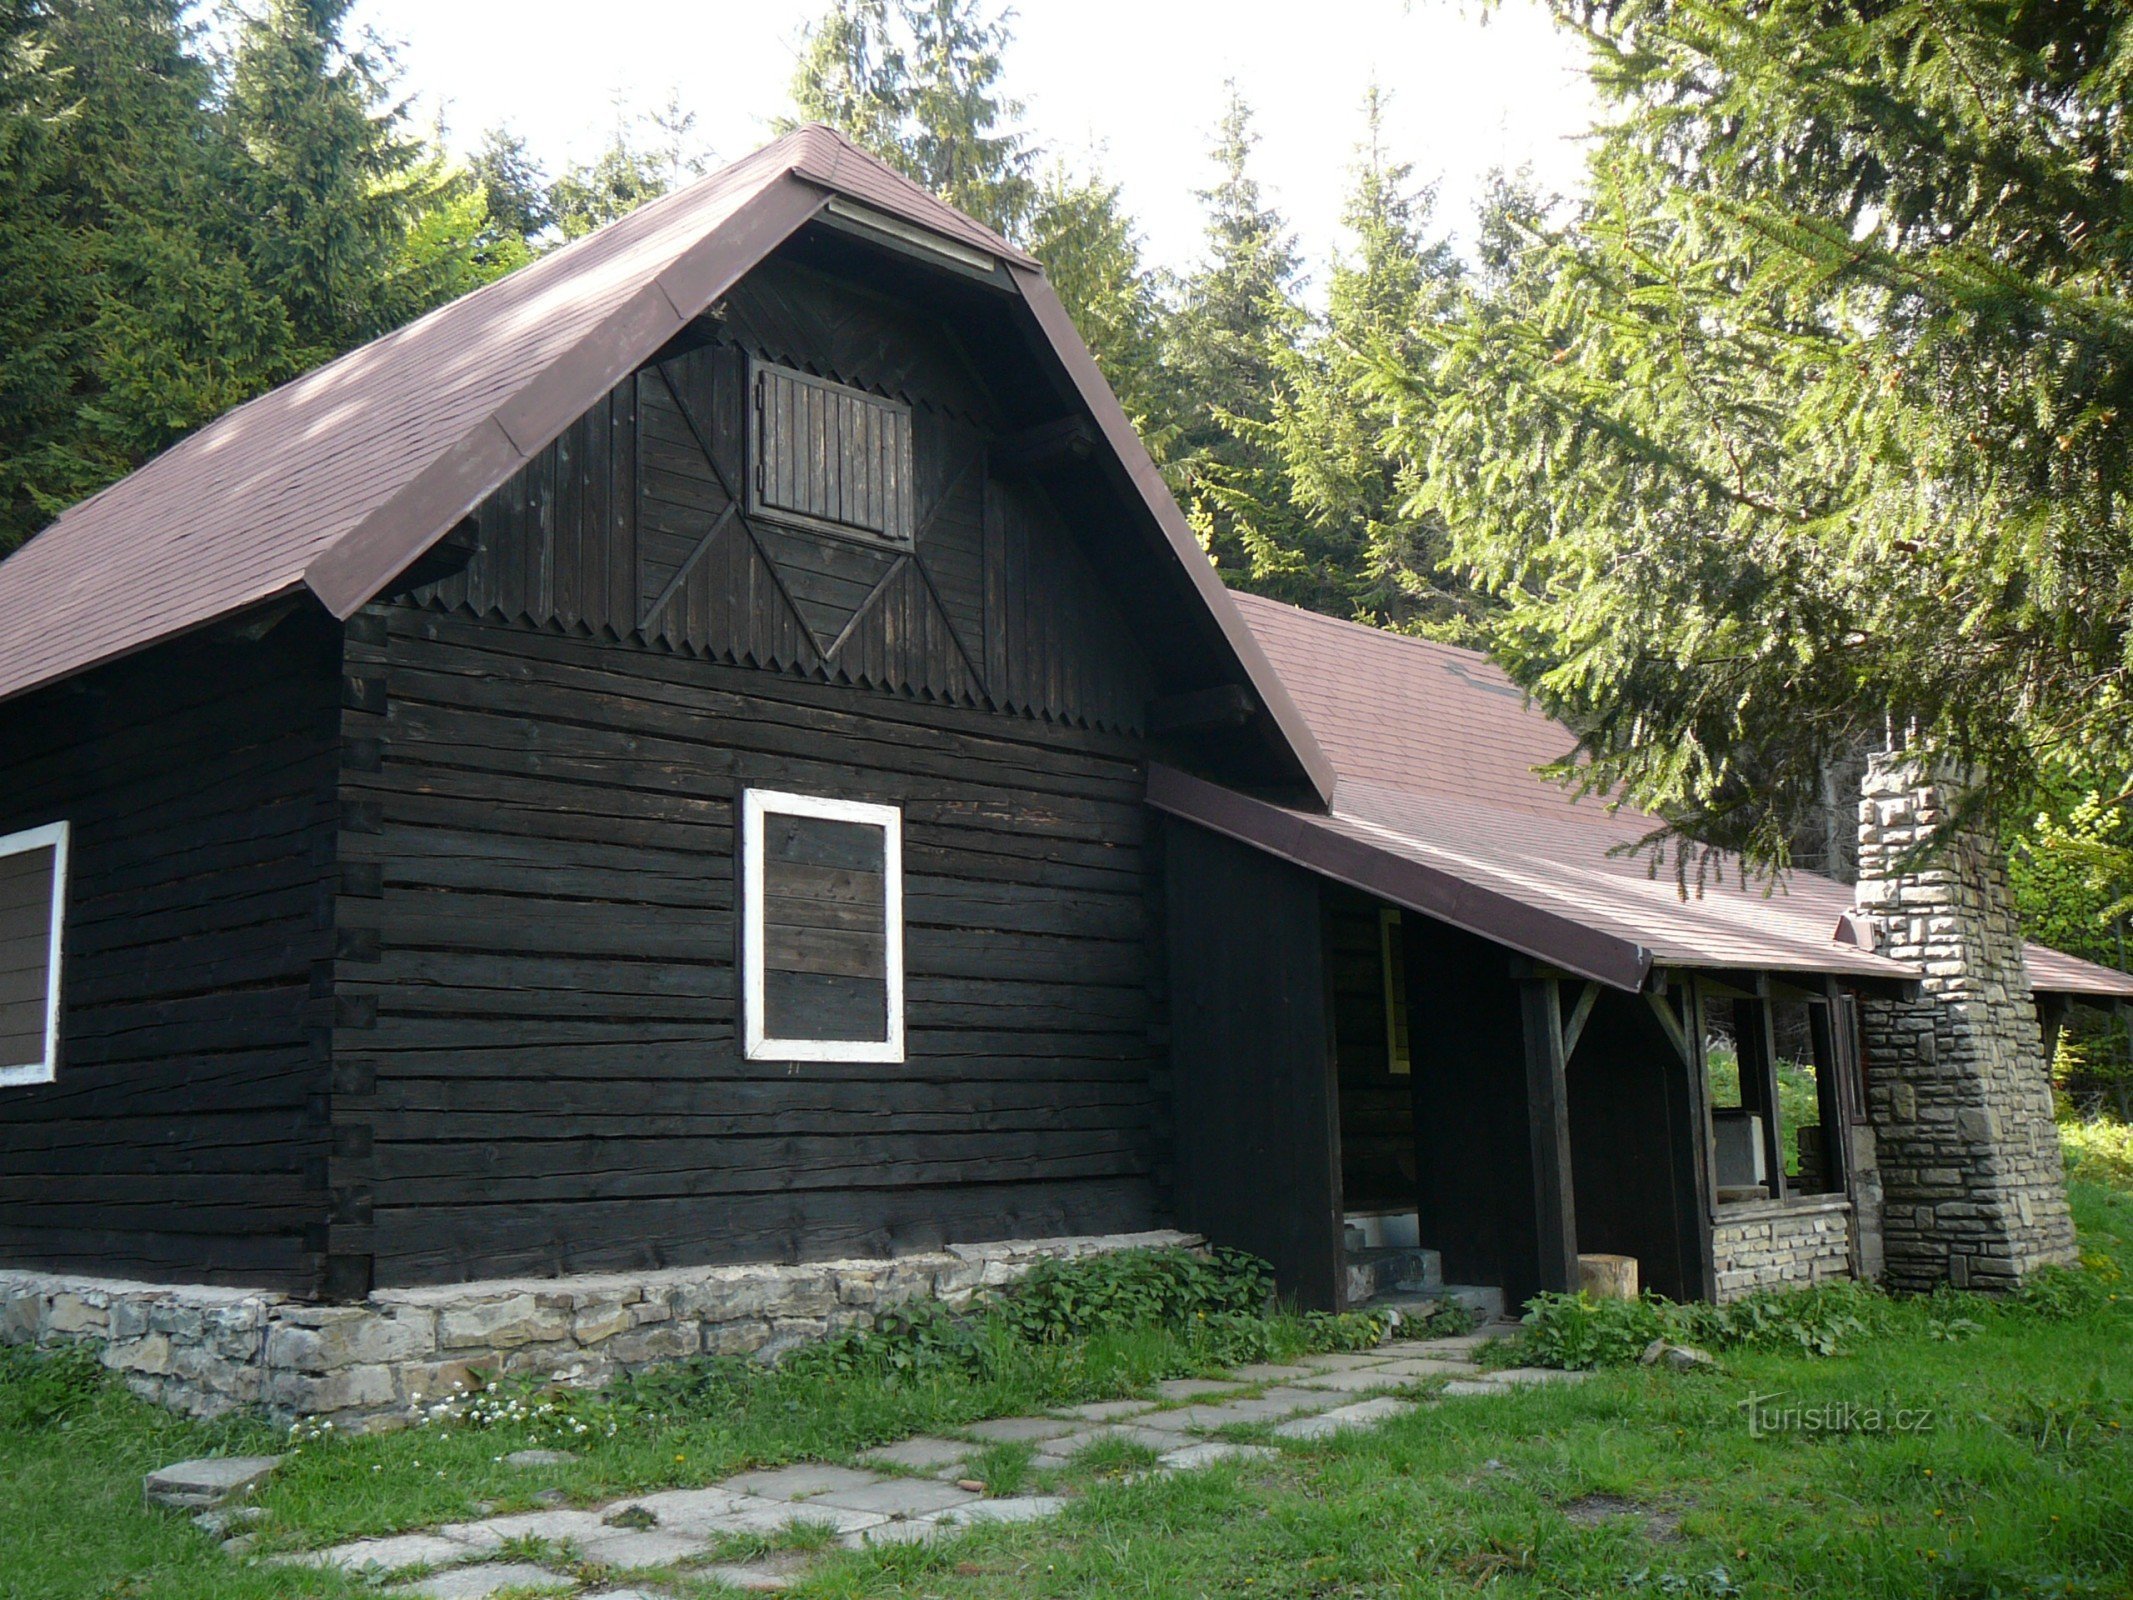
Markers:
<point>185,1133</point>
<point>542,1073</point>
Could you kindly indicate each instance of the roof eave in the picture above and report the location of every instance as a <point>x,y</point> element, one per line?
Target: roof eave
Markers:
<point>1556,941</point>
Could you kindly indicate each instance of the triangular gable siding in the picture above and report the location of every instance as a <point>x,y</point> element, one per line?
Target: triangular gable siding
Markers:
<point>620,529</point>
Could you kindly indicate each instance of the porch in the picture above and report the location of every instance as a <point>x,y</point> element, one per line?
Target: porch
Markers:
<point>1392,1108</point>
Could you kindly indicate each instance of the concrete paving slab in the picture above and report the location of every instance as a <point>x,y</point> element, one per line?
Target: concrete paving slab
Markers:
<point>923,1530</point>
<point>690,1510</point>
<point>1364,1411</point>
<point>1269,1407</point>
<point>1207,1455</point>
<point>1019,1430</point>
<point>1106,1410</point>
<point>1327,1423</point>
<point>1246,1411</point>
<point>1450,1344</point>
<point>898,1497</point>
<point>1013,1508</point>
<point>626,1594</point>
<point>1429,1367</point>
<point>751,1515</point>
<point>1524,1375</point>
<point>1354,1380</point>
<point>210,1481</point>
<point>1343,1360</point>
<point>921,1454</point>
<point>1180,1419</point>
<point>392,1554</point>
<point>1465,1386</point>
<point>477,1583</point>
<point>1272,1372</point>
<point>558,1525</point>
<point>802,1481</point>
<point>643,1547</point>
<point>1192,1388</point>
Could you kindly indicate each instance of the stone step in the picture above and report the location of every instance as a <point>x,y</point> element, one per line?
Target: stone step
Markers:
<point>1485,1303</point>
<point>1392,1270</point>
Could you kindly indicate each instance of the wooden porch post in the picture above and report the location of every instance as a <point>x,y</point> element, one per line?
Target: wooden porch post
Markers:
<point>1548,1121</point>
<point>1757,1042</point>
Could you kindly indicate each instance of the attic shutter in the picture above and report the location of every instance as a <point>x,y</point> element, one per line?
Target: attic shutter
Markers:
<point>830,457</point>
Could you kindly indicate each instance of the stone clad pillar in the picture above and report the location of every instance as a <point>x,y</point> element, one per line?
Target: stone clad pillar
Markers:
<point>1958,1090</point>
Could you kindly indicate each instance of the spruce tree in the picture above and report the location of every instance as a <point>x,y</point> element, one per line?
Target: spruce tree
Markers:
<point>339,206</point>
<point>43,289</point>
<point>1360,548</point>
<point>1091,253</point>
<point>514,186</point>
<point>1815,422</point>
<point>1236,316</point>
<point>650,153</point>
<point>148,323</point>
<point>917,82</point>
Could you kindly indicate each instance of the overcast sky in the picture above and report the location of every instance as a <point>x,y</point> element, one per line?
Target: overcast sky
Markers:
<point>1133,84</point>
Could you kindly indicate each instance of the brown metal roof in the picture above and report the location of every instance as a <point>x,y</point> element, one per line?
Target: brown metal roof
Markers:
<point>1437,807</point>
<point>336,481</point>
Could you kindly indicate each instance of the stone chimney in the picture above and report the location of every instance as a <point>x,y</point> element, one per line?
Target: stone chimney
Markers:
<point>1958,1089</point>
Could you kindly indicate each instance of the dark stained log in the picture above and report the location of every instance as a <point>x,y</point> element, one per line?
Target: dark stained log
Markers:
<point>552,967</point>
<point>182,1137</point>
<point>1548,1111</point>
<point>1258,1161</point>
<point>1473,1127</point>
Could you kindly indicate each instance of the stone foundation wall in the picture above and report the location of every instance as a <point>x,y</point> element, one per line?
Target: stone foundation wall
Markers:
<point>1958,1090</point>
<point>204,1351</point>
<point>1781,1246</point>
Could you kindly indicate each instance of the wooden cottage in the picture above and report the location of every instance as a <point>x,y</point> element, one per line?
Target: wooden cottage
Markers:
<point>719,748</point>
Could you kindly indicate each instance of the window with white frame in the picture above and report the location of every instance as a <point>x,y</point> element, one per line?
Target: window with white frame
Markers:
<point>33,899</point>
<point>822,929</point>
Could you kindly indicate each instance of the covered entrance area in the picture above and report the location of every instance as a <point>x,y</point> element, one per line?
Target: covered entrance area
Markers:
<point>1390,1105</point>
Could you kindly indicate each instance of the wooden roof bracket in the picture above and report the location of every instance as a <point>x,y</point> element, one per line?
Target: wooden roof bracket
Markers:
<point>1662,1008</point>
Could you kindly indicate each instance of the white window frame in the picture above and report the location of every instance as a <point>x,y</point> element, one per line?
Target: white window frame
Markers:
<point>54,837</point>
<point>756,806</point>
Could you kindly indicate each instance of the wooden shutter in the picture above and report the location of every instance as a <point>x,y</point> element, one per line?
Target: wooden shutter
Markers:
<point>830,457</point>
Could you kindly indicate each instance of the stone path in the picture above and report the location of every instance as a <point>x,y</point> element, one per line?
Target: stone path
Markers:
<point>913,1490</point>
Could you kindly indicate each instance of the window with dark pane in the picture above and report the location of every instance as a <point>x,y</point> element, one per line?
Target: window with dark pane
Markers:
<point>823,954</point>
<point>825,946</point>
<point>32,868</point>
<point>830,457</point>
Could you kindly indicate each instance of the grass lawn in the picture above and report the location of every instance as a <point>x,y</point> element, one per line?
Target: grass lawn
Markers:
<point>2012,1475</point>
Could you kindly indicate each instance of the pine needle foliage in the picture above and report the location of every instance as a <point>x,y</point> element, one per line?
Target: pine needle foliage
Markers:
<point>1812,424</point>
